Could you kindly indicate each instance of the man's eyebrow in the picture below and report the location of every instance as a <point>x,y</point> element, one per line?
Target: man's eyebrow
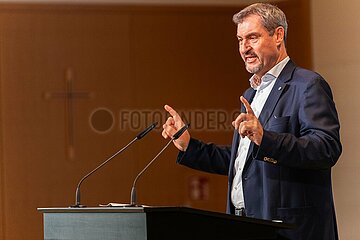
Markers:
<point>248,35</point>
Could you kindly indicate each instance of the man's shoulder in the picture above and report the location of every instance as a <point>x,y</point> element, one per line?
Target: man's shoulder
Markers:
<point>306,79</point>
<point>302,75</point>
<point>296,71</point>
<point>303,72</point>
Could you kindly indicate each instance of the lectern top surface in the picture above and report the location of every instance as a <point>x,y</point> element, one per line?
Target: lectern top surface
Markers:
<point>165,210</point>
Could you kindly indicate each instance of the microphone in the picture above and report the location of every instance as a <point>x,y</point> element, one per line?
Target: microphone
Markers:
<point>133,189</point>
<point>138,137</point>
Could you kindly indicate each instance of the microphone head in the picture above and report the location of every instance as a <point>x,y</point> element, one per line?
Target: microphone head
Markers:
<point>181,131</point>
<point>146,131</point>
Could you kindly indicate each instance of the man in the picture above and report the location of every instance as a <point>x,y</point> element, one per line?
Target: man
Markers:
<point>285,142</point>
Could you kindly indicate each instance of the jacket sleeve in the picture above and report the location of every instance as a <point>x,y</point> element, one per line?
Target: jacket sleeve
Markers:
<point>206,157</point>
<point>316,145</point>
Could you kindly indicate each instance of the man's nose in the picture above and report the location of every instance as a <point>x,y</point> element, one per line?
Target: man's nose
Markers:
<point>244,47</point>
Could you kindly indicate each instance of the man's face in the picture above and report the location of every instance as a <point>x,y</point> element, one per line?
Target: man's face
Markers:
<point>257,48</point>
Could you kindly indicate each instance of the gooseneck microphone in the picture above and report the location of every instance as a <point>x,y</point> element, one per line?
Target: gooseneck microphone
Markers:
<point>138,137</point>
<point>133,189</point>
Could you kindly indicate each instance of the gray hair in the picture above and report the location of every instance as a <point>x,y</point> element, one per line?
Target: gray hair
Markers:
<point>271,16</point>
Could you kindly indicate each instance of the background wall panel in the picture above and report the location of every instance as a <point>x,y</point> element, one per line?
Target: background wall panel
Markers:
<point>338,61</point>
<point>119,60</point>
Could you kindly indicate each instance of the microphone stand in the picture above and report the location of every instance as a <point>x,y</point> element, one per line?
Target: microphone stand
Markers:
<point>138,137</point>
<point>133,189</point>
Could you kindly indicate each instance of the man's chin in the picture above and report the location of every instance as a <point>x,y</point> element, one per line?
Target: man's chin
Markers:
<point>253,69</point>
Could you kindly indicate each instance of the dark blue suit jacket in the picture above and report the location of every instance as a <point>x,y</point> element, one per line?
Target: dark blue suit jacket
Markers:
<point>287,177</point>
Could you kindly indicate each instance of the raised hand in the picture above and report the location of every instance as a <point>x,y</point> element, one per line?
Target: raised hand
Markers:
<point>248,124</point>
<point>172,125</point>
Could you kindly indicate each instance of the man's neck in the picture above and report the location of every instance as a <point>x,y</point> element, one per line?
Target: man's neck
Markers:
<point>280,58</point>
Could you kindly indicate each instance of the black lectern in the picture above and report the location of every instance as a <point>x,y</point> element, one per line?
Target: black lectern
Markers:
<point>152,223</point>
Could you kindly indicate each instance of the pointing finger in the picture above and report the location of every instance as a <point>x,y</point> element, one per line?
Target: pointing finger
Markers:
<point>247,105</point>
<point>172,112</point>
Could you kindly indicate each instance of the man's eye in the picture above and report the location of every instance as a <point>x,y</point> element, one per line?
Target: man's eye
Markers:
<point>253,38</point>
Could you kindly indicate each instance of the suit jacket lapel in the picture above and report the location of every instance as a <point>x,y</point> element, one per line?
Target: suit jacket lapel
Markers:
<point>270,104</point>
<point>274,96</point>
<point>249,95</point>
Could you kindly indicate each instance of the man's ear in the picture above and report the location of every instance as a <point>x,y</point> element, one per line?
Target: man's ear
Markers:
<point>279,35</point>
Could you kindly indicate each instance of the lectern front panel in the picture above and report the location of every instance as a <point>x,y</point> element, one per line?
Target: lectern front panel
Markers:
<point>153,223</point>
<point>94,226</point>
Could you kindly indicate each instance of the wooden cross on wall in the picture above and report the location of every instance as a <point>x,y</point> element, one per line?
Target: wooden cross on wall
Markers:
<point>69,95</point>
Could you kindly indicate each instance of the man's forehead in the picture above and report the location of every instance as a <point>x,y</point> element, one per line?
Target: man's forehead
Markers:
<point>251,23</point>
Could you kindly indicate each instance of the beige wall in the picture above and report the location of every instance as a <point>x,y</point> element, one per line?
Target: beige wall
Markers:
<point>336,49</point>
